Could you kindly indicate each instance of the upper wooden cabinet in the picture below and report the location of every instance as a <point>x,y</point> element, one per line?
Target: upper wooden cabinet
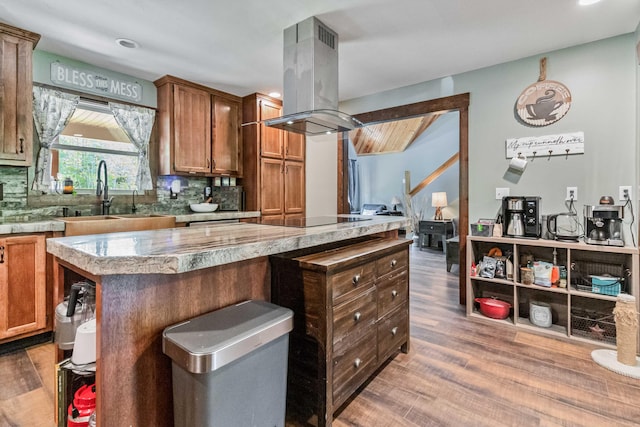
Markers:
<point>22,285</point>
<point>274,161</point>
<point>199,129</point>
<point>16,82</point>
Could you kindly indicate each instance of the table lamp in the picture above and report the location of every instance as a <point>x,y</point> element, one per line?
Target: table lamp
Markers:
<point>438,201</point>
<point>395,201</point>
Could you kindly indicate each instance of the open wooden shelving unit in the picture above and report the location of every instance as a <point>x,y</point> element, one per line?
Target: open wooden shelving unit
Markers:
<point>566,303</point>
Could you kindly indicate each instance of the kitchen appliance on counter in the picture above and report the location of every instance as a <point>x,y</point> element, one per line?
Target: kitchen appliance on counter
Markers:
<point>563,226</point>
<point>603,224</point>
<point>521,216</point>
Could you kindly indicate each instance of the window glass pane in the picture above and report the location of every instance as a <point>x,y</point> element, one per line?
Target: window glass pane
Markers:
<point>91,135</point>
<point>82,167</point>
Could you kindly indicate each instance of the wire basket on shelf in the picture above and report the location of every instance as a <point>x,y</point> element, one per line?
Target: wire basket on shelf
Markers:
<point>599,278</point>
<point>594,325</point>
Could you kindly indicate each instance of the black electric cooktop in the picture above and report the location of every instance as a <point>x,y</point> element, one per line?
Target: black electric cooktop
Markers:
<point>312,221</point>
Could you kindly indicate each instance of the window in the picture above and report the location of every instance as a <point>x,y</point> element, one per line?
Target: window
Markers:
<point>91,135</point>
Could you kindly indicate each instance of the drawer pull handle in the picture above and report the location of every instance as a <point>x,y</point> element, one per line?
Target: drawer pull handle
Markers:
<point>393,262</point>
<point>1,254</point>
<point>356,279</point>
<point>357,316</point>
<point>357,363</point>
<point>394,294</point>
<point>394,331</point>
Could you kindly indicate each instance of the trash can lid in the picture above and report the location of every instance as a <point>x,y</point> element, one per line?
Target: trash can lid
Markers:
<point>208,342</point>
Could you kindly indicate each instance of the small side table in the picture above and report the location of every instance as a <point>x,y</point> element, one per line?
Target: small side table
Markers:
<point>442,229</point>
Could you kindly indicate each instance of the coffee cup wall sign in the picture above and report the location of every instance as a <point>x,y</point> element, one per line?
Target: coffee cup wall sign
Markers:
<point>544,102</point>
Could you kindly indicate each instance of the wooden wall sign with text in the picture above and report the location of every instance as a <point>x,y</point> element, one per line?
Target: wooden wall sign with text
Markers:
<point>544,102</point>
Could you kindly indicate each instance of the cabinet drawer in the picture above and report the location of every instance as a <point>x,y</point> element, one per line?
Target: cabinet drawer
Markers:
<point>392,291</point>
<point>392,332</point>
<point>395,261</point>
<point>352,366</point>
<point>433,228</point>
<point>353,319</point>
<point>349,280</point>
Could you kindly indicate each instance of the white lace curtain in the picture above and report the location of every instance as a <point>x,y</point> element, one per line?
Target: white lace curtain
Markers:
<point>52,110</point>
<point>137,123</point>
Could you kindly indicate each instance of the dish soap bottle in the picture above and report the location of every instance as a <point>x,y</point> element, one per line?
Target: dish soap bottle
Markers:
<point>68,186</point>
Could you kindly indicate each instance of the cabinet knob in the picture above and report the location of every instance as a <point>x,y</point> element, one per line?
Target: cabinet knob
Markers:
<point>394,331</point>
<point>357,362</point>
<point>356,279</point>
<point>393,262</point>
<point>394,293</point>
<point>357,316</point>
<point>1,254</point>
<point>21,145</point>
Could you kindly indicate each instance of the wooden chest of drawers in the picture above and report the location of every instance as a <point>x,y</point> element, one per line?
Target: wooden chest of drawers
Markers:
<point>351,313</point>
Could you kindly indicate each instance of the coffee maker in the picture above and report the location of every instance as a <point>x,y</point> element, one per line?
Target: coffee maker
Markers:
<point>603,225</point>
<point>521,216</point>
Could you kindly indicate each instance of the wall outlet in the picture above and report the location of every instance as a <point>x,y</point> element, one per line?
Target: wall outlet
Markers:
<point>502,192</point>
<point>624,193</point>
<point>572,193</point>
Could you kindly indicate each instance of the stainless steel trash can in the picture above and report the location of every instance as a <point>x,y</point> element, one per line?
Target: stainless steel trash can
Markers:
<point>229,367</point>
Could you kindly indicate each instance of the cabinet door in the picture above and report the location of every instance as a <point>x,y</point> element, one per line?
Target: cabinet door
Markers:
<point>271,139</point>
<point>271,186</point>
<point>226,157</point>
<point>192,130</point>
<point>22,285</point>
<point>295,146</point>
<point>16,122</point>
<point>294,188</point>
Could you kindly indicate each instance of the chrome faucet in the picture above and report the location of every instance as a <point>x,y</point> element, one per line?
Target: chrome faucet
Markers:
<point>103,189</point>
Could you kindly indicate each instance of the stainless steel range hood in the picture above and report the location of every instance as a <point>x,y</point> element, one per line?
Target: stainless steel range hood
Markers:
<point>310,103</point>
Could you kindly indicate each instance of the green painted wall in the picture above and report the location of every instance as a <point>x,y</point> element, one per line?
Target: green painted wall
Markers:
<point>602,78</point>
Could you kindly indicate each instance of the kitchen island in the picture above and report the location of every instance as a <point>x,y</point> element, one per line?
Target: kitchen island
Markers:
<point>148,280</point>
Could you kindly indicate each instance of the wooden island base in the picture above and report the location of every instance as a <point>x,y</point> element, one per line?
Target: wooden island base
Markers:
<point>133,376</point>
<point>148,280</point>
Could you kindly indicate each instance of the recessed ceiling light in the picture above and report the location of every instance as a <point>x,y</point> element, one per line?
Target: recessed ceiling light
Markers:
<point>128,43</point>
<point>587,2</point>
<point>275,94</point>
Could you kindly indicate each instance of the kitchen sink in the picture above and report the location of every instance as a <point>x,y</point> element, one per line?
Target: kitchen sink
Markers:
<point>99,224</point>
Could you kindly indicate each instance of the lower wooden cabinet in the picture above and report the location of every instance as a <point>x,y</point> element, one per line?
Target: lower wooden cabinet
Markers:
<point>23,292</point>
<point>351,313</point>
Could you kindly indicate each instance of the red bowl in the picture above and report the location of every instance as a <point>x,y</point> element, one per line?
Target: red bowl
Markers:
<point>494,308</point>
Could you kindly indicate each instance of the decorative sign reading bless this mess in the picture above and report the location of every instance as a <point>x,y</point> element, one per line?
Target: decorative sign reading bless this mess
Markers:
<point>92,82</point>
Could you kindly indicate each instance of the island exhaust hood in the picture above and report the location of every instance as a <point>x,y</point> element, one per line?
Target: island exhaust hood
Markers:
<point>310,95</point>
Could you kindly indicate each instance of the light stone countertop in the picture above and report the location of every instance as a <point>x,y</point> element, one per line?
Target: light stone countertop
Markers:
<point>183,249</point>
<point>40,226</point>
<point>43,225</point>
<point>215,216</point>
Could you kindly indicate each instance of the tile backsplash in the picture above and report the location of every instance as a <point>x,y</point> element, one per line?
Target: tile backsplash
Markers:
<point>16,191</point>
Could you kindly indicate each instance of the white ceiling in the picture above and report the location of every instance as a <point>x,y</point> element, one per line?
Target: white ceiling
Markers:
<point>236,45</point>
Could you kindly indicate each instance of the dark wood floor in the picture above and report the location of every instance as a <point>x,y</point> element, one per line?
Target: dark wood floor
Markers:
<point>458,373</point>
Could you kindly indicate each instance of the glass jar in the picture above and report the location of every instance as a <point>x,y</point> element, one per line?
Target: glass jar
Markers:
<point>68,186</point>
